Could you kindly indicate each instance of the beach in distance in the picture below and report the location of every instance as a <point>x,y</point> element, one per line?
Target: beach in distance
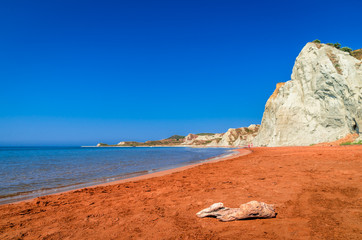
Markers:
<point>316,192</point>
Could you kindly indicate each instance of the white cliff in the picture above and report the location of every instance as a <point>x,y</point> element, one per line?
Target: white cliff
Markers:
<point>237,137</point>
<point>195,139</point>
<point>234,137</point>
<point>321,103</point>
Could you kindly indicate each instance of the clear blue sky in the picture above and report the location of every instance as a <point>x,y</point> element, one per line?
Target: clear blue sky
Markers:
<point>80,72</point>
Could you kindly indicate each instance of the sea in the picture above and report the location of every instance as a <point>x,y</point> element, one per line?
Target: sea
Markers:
<point>29,172</point>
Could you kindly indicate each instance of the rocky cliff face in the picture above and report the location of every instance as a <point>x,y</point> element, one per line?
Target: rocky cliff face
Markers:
<point>234,137</point>
<point>321,103</point>
<point>197,139</point>
<point>237,136</point>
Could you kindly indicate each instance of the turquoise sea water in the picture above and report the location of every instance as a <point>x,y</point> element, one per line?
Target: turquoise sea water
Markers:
<point>27,172</point>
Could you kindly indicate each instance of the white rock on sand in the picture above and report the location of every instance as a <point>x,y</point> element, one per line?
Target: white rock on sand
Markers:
<point>252,209</point>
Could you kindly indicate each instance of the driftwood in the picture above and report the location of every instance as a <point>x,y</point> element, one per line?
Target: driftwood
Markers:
<point>253,209</point>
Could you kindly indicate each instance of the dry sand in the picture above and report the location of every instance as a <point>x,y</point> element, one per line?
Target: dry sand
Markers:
<point>317,192</point>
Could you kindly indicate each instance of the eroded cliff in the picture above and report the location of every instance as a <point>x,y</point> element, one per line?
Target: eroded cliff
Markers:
<point>321,103</point>
<point>234,137</point>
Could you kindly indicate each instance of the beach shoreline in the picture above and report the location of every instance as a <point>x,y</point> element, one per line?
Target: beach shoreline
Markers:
<point>236,153</point>
<point>316,192</point>
<point>138,176</point>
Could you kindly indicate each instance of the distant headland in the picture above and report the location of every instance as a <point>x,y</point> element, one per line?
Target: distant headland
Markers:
<point>232,138</point>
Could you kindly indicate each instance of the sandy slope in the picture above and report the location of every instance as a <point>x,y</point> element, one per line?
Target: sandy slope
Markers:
<point>317,192</point>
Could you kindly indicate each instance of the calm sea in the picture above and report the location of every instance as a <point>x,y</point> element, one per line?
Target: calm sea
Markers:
<point>27,172</point>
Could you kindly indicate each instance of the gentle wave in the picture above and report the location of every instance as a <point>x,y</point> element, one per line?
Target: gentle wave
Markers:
<point>32,172</point>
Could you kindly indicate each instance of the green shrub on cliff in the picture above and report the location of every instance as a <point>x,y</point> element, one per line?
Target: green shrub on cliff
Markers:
<point>205,134</point>
<point>351,143</point>
<point>177,137</point>
<point>346,49</point>
<point>337,45</point>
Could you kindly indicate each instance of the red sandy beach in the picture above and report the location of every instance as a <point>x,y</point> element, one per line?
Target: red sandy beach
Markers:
<point>316,191</point>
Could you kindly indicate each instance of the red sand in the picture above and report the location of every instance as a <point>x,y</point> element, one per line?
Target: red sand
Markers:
<point>317,192</point>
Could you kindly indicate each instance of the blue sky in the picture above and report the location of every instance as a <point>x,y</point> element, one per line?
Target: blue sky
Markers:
<point>81,72</point>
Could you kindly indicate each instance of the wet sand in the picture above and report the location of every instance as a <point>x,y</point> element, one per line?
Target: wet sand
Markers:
<point>316,190</point>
